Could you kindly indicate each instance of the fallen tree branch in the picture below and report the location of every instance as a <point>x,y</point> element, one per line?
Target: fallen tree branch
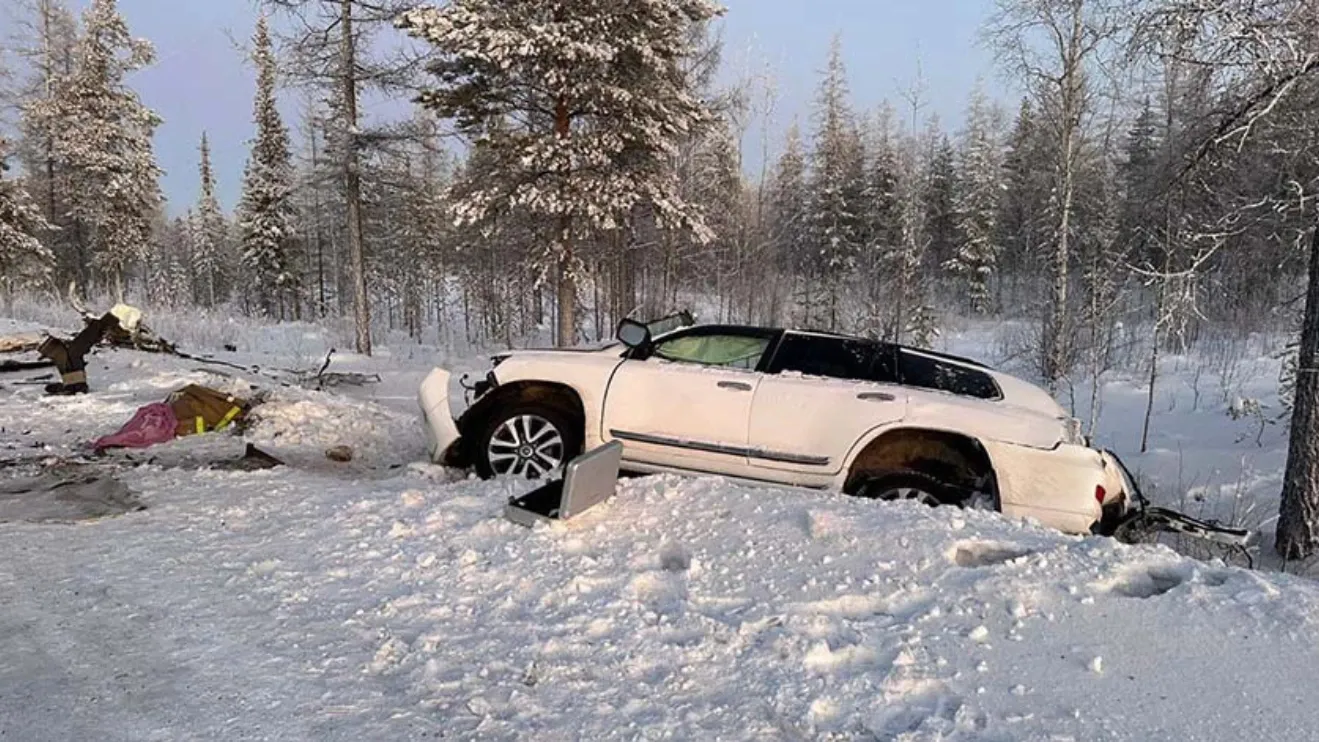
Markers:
<point>11,366</point>
<point>325,365</point>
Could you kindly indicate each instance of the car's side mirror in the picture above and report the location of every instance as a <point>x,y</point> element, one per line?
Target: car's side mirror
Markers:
<point>633,334</point>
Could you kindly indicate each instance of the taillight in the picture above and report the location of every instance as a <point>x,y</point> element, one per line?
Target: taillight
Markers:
<point>1100,493</point>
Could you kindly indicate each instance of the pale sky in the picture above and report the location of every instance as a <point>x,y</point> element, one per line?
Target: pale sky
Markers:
<point>200,81</point>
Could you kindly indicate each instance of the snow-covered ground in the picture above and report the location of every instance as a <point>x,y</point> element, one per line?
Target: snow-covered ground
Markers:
<point>385,599</point>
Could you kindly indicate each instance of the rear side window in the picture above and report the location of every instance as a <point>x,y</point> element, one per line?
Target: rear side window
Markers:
<point>838,358</point>
<point>931,373</point>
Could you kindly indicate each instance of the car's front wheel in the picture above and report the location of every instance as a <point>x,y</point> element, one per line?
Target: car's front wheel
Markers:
<point>526,440</point>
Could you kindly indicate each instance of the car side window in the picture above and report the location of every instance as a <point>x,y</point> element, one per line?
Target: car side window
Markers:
<point>729,351</point>
<point>835,357</point>
<point>931,373</point>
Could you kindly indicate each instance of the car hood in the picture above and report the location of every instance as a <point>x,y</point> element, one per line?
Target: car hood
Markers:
<point>609,347</point>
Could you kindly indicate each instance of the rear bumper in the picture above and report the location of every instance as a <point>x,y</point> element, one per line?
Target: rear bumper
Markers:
<point>436,417</point>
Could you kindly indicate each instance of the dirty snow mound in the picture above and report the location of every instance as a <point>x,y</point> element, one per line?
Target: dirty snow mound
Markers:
<point>308,423</point>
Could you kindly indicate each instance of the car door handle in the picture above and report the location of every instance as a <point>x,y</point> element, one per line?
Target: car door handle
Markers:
<point>875,397</point>
<point>737,386</point>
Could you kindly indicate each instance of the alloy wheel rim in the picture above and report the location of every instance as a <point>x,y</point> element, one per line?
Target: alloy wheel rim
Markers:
<point>526,446</point>
<point>909,493</point>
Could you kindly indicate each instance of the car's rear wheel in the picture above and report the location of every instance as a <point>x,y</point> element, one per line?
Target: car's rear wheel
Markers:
<point>527,440</point>
<point>922,488</point>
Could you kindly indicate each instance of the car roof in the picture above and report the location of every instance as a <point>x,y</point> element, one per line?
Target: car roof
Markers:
<point>759,330</point>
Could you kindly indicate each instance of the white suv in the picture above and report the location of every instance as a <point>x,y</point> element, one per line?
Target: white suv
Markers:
<point>799,408</point>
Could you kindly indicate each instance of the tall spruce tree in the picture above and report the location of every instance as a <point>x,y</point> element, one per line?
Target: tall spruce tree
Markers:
<point>1140,174</point>
<point>51,33</point>
<point>104,143</point>
<point>266,214</point>
<point>168,274</point>
<point>941,194</point>
<point>980,178</point>
<point>208,237</point>
<point>882,231</point>
<point>1021,227</point>
<point>23,258</point>
<point>580,104</point>
<point>788,202</point>
<point>837,184</point>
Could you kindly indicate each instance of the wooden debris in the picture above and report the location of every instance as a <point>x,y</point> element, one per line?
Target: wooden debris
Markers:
<point>19,343</point>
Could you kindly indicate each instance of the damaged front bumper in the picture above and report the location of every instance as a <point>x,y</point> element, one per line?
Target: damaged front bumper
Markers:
<point>442,434</point>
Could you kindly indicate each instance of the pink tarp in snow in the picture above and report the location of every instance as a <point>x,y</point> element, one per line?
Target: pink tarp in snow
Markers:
<point>152,424</point>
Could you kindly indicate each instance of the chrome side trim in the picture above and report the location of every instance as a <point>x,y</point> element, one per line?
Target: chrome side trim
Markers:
<point>637,467</point>
<point>776,456</point>
<point>656,440</point>
<point>790,458</point>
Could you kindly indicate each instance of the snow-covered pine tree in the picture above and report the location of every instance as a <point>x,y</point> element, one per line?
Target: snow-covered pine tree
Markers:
<point>168,273</point>
<point>1104,256</point>
<point>493,258</point>
<point>836,187</point>
<point>717,187</point>
<point>912,315</point>
<point>915,320</point>
<point>980,184</point>
<point>709,174</point>
<point>580,103</point>
<point>1022,207</point>
<point>266,214</point>
<point>50,32</point>
<point>881,222</point>
<point>941,195</point>
<point>385,183</point>
<point>24,260</point>
<point>104,141</point>
<point>208,232</point>
<point>788,202</point>
<point>1140,185</point>
<point>156,269</point>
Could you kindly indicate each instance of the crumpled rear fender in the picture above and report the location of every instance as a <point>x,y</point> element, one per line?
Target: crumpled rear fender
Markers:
<point>1058,486</point>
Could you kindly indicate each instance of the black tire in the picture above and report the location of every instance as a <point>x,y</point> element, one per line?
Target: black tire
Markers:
<point>900,485</point>
<point>566,425</point>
